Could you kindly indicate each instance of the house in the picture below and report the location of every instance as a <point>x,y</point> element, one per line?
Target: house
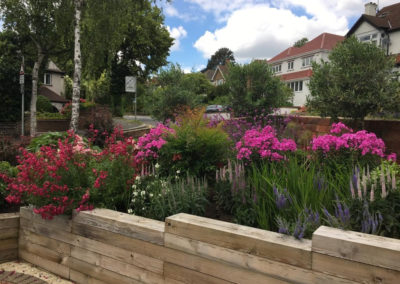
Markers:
<point>380,27</point>
<point>217,76</point>
<point>53,86</point>
<point>294,64</point>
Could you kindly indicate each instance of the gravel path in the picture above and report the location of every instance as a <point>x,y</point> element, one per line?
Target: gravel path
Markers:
<point>13,272</point>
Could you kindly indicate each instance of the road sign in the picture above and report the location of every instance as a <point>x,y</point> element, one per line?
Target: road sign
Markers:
<point>130,84</point>
<point>21,76</point>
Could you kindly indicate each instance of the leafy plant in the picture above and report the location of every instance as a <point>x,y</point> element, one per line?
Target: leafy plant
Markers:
<point>47,139</point>
<point>43,104</point>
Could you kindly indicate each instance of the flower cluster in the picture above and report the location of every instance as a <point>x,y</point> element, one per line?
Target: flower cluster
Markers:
<point>263,144</point>
<point>337,128</point>
<point>151,143</point>
<point>361,141</point>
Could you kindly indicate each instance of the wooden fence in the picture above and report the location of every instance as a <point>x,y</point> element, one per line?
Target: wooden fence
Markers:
<point>104,246</point>
<point>9,227</point>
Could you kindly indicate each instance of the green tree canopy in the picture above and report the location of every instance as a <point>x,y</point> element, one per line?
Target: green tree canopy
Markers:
<point>220,57</point>
<point>254,87</point>
<point>356,82</point>
<point>300,42</point>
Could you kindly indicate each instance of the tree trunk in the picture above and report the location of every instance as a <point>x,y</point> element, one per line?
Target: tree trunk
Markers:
<point>76,91</point>
<point>35,77</point>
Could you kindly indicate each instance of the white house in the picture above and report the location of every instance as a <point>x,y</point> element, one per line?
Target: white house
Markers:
<point>381,27</point>
<point>53,86</point>
<point>293,65</point>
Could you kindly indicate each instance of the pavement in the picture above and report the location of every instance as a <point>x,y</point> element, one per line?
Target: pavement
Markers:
<point>144,119</point>
<point>14,271</point>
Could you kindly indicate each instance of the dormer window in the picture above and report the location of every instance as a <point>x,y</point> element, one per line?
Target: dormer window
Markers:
<point>277,68</point>
<point>307,61</point>
<point>47,79</point>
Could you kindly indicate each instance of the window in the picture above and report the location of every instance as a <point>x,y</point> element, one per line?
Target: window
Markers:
<point>371,38</point>
<point>290,65</point>
<point>307,61</point>
<point>277,68</point>
<point>47,79</point>
<point>296,86</point>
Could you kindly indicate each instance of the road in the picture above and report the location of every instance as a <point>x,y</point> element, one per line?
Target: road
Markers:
<point>145,119</point>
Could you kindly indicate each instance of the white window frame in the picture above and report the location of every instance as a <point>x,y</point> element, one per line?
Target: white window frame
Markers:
<point>369,38</point>
<point>45,77</point>
<point>306,61</point>
<point>277,68</point>
<point>296,86</point>
<point>290,65</point>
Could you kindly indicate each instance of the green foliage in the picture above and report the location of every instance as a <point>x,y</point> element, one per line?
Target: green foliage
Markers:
<point>220,57</point>
<point>300,42</point>
<point>356,82</point>
<point>47,139</point>
<point>43,104</point>
<point>173,90</point>
<point>158,198</point>
<point>52,115</point>
<point>254,87</point>
<point>219,95</point>
<point>195,148</point>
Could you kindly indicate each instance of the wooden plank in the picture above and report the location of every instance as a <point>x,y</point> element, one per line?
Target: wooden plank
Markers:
<point>353,270</point>
<point>41,251</point>
<point>116,266</point>
<point>56,268</point>
<point>47,231</point>
<point>240,259</point>
<point>125,224</point>
<point>55,245</point>
<point>61,222</point>
<point>365,248</point>
<point>241,238</point>
<point>9,233</point>
<point>9,220</point>
<point>8,255</point>
<point>125,255</point>
<point>8,244</point>
<point>98,272</point>
<point>185,275</point>
<point>81,278</point>
<point>214,268</point>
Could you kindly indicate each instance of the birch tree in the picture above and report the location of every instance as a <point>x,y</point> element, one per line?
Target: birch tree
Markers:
<point>77,68</point>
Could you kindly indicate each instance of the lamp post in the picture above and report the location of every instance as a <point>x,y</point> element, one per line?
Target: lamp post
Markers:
<point>22,82</point>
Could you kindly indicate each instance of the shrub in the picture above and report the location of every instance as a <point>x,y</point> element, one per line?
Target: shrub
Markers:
<point>195,148</point>
<point>47,139</point>
<point>43,104</point>
<point>6,172</point>
<point>97,122</point>
<point>158,198</point>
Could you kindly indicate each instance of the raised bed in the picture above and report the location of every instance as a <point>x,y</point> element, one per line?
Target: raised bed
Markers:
<point>104,246</point>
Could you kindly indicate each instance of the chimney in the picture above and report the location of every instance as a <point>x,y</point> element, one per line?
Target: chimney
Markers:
<point>370,9</point>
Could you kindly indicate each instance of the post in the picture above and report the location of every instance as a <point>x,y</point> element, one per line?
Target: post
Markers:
<point>21,82</point>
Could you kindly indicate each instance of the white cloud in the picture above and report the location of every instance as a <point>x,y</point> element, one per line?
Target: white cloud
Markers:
<point>177,34</point>
<point>262,31</point>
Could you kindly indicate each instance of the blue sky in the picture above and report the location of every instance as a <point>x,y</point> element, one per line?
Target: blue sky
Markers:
<point>252,28</point>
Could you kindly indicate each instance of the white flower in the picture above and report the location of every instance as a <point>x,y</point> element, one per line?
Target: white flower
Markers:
<point>159,195</point>
<point>157,166</point>
<point>134,186</point>
<point>137,178</point>
<point>178,172</point>
<point>135,193</point>
<point>133,200</point>
<point>142,193</point>
<point>143,208</point>
<point>151,194</point>
<point>130,211</point>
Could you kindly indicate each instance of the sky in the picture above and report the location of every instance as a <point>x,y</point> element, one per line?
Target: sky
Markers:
<point>252,29</point>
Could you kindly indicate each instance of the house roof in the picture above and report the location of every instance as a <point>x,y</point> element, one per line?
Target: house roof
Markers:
<point>209,74</point>
<point>296,75</point>
<point>221,68</point>
<point>52,96</point>
<point>52,67</point>
<point>388,18</point>
<point>325,41</point>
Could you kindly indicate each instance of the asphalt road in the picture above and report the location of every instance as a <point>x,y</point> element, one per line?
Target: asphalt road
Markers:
<point>145,119</point>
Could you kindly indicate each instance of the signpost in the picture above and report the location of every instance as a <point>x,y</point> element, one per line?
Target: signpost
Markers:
<point>22,82</point>
<point>130,87</point>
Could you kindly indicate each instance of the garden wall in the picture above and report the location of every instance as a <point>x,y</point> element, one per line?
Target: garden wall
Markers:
<point>388,130</point>
<point>9,228</point>
<point>104,246</point>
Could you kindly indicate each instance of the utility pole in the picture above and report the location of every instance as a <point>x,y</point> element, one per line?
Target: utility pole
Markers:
<point>22,82</point>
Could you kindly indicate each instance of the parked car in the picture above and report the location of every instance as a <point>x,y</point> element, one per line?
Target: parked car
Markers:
<point>214,108</point>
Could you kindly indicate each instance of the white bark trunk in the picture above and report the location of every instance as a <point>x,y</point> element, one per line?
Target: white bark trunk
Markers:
<point>35,77</point>
<point>76,91</point>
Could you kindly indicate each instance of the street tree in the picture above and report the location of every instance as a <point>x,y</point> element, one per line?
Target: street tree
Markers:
<point>356,82</point>
<point>45,23</point>
<point>254,87</point>
<point>220,57</point>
